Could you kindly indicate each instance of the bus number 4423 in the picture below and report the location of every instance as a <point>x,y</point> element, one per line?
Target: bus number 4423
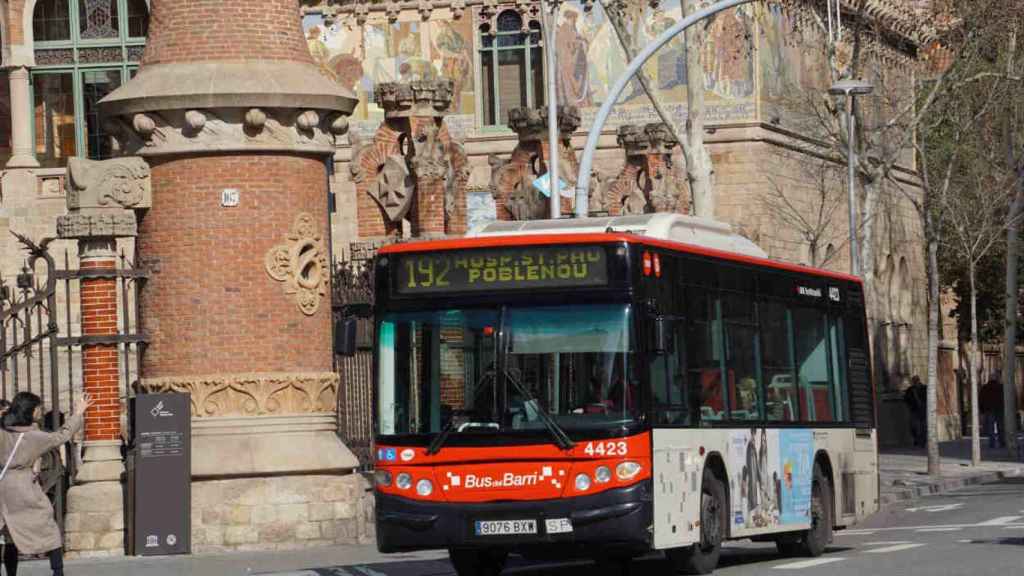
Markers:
<point>605,449</point>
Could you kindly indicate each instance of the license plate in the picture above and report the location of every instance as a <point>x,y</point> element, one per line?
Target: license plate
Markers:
<point>505,527</point>
<point>557,526</point>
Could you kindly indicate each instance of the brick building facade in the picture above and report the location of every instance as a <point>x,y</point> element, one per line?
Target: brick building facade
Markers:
<point>406,167</point>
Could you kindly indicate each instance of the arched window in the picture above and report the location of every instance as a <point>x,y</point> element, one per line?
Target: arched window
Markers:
<point>511,65</point>
<point>84,49</point>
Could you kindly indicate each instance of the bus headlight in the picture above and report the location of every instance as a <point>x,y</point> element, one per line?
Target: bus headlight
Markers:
<point>582,482</point>
<point>424,487</point>
<point>403,481</point>
<point>627,470</point>
<point>383,477</point>
<point>603,475</point>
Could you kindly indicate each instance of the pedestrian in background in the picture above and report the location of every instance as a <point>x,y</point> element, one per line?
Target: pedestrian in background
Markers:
<point>25,511</point>
<point>991,405</point>
<point>916,398</point>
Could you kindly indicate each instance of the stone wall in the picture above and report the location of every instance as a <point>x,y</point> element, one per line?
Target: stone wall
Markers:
<point>280,513</point>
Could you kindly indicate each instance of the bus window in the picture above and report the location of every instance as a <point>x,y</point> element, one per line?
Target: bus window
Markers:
<point>668,383</point>
<point>838,356</point>
<point>704,353</point>
<point>777,363</point>
<point>741,356</point>
<point>811,347</point>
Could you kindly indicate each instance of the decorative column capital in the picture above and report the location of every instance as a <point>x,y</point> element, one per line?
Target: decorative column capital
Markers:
<point>426,98</point>
<point>531,124</point>
<point>101,198</point>
<point>655,138</point>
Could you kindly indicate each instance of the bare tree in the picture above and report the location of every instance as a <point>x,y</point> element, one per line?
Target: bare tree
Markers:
<point>977,209</point>
<point>814,212</point>
<point>1013,127</point>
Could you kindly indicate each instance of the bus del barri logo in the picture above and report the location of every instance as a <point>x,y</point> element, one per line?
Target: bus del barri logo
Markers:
<point>506,480</point>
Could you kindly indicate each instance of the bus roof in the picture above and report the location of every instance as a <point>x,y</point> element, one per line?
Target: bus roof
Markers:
<point>603,238</point>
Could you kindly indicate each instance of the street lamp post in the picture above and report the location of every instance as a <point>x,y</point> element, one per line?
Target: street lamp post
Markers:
<point>851,88</point>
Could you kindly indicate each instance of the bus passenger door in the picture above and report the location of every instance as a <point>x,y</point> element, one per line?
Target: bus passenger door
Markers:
<point>677,466</point>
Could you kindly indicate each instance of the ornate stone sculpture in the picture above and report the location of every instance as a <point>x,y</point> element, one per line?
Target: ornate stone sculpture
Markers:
<point>114,183</point>
<point>650,181</point>
<point>394,188</point>
<point>101,197</point>
<point>411,162</point>
<point>301,263</point>
<point>512,180</point>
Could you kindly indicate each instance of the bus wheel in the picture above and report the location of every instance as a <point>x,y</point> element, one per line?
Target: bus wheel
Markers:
<point>702,558</point>
<point>813,542</point>
<point>477,562</point>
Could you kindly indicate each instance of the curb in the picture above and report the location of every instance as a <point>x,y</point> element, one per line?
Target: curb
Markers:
<point>914,492</point>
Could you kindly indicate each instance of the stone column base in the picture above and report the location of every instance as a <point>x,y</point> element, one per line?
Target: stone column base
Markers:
<point>94,524</point>
<point>281,513</point>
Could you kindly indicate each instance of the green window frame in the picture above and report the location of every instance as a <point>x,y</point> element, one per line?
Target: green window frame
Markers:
<point>501,47</point>
<point>87,59</point>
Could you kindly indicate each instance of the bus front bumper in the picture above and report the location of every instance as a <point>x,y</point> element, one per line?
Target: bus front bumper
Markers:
<point>615,518</point>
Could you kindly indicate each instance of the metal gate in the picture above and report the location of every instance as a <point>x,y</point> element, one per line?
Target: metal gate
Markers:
<point>41,351</point>
<point>353,297</point>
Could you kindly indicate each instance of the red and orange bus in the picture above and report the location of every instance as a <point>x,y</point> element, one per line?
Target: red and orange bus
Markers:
<point>615,386</point>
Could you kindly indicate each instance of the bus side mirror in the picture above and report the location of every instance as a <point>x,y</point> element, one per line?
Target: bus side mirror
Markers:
<point>662,336</point>
<point>345,337</point>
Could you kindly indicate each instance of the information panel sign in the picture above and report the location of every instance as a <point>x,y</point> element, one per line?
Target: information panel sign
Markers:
<point>162,474</point>
<point>517,267</point>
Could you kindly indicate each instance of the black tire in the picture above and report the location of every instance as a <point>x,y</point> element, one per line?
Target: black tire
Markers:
<point>477,561</point>
<point>814,541</point>
<point>702,558</point>
<point>789,546</point>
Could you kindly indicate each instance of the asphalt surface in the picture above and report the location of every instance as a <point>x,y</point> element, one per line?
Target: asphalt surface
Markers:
<point>977,530</point>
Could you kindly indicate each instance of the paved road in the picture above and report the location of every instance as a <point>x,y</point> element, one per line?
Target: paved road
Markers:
<point>977,531</point>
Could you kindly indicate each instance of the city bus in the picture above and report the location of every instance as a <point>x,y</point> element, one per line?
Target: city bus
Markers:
<point>613,387</point>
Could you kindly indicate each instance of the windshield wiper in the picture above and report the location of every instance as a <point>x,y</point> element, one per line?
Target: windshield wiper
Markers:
<point>561,438</point>
<point>442,436</point>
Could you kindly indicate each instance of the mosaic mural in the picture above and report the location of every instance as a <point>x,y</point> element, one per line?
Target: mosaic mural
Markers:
<point>590,59</point>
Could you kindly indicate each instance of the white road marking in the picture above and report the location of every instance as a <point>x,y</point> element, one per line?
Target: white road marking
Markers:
<point>1017,527</point>
<point>807,563</point>
<point>938,508</point>
<point>888,542</point>
<point>1000,521</point>
<point>895,548</point>
<point>892,528</point>
<point>939,530</point>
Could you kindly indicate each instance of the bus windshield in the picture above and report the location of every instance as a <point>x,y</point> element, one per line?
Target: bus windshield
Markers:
<point>439,369</point>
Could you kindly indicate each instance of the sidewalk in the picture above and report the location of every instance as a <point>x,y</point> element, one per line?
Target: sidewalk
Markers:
<point>904,470</point>
<point>231,563</point>
<point>903,476</point>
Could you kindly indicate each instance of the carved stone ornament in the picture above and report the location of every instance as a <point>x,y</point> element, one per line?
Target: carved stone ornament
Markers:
<point>81,226</point>
<point>531,124</point>
<point>429,159</point>
<point>301,263</point>
<point>268,394</point>
<point>394,188</point>
<point>227,130</point>
<point>458,8</point>
<point>114,183</point>
<point>416,98</point>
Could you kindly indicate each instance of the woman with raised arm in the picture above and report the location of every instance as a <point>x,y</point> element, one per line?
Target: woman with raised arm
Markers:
<point>26,514</point>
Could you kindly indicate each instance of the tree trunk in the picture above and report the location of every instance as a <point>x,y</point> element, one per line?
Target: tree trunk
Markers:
<point>934,463</point>
<point>1010,326</point>
<point>699,170</point>
<point>1012,261</point>
<point>974,368</point>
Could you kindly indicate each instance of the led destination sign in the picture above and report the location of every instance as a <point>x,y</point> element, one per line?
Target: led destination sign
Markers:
<point>503,268</point>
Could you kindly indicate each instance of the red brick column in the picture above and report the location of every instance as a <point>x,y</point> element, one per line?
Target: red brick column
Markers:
<point>100,370</point>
